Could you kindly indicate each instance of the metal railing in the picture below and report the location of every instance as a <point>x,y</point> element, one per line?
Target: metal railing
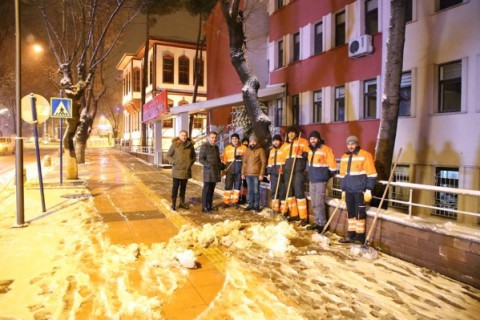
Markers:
<point>140,149</point>
<point>425,200</point>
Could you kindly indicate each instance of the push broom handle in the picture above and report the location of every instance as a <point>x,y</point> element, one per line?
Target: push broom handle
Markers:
<point>331,218</point>
<point>392,171</point>
<point>293,169</point>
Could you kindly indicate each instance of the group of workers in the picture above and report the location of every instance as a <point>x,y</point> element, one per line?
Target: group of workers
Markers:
<point>245,164</point>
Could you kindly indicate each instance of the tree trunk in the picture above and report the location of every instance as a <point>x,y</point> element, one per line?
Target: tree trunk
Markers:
<point>260,121</point>
<point>391,92</point>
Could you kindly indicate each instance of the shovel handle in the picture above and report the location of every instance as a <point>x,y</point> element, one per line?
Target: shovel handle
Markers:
<point>392,171</point>
<point>331,217</point>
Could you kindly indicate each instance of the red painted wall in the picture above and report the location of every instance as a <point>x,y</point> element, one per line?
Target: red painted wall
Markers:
<point>335,134</point>
<point>297,14</point>
<point>221,76</point>
<point>330,68</point>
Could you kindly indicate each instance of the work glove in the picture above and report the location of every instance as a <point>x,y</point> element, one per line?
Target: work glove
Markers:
<point>343,195</point>
<point>367,195</point>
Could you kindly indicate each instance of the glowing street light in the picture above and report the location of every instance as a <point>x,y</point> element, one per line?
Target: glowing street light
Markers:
<point>37,49</point>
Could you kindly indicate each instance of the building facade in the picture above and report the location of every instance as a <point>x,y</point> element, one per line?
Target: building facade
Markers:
<point>170,83</point>
<point>330,55</point>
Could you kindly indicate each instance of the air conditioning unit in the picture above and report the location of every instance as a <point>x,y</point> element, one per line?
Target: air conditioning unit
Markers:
<point>360,46</point>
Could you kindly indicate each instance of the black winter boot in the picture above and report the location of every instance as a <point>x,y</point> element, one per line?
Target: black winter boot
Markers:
<point>182,204</point>
<point>174,204</point>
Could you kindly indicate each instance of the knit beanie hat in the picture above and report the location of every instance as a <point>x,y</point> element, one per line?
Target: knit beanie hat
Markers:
<point>235,135</point>
<point>292,129</point>
<point>253,138</point>
<point>315,134</point>
<point>277,137</point>
<point>352,139</point>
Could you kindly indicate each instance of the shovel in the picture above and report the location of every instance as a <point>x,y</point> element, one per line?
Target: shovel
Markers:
<point>321,238</point>
<point>364,250</point>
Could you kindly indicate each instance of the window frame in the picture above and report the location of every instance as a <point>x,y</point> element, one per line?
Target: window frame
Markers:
<point>339,104</point>
<point>340,29</point>
<point>371,14</point>
<point>318,38</point>
<point>296,109</point>
<point>367,98</point>
<point>405,87</point>
<point>280,54</point>
<point>296,46</point>
<point>183,70</point>
<point>278,116</point>
<point>168,73</point>
<point>451,81</point>
<point>317,107</point>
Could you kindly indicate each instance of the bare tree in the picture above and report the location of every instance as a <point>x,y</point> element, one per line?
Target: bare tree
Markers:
<point>235,17</point>
<point>391,91</point>
<point>81,35</point>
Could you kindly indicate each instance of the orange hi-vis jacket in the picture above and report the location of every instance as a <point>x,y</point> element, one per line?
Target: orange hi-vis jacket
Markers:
<point>358,171</point>
<point>276,159</point>
<point>297,149</point>
<point>321,163</point>
<point>234,153</point>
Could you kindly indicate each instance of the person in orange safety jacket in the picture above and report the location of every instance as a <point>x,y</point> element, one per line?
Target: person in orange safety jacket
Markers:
<point>357,169</point>
<point>276,161</point>
<point>295,147</point>
<point>321,167</point>
<point>232,158</point>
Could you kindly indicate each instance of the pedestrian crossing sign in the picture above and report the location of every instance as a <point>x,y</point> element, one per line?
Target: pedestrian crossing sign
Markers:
<point>61,107</point>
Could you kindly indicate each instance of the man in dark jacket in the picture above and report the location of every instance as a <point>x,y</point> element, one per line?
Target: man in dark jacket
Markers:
<point>182,157</point>
<point>212,165</point>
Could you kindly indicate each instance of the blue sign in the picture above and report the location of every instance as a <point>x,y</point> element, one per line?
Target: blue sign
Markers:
<point>61,107</point>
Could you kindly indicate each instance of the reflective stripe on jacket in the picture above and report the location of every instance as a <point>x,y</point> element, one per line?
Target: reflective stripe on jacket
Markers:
<point>276,159</point>
<point>321,163</point>
<point>298,150</point>
<point>358,171</point>
<point>229,154</point>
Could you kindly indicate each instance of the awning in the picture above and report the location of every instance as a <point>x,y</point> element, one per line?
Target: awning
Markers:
<point>232,100</point>
<point>132,106</point>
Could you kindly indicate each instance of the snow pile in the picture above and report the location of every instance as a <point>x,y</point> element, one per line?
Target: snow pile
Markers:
<point>246,295</point>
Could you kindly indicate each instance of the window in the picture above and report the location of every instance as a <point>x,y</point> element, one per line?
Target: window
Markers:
<point>198,123</point>
<point>279,4</point>
<point>317,106</point>
<point>168,123</point>
<point>296,46</point>
<point>280,54</point>
<point>340,29</point>
<point>444,4</point>
<point>136,79</point>
<point>405,95</point>
<point>409,10</point>
<point>339,104</point>
<point>318,40</point>
<point>450,87</point>
<point>200,72</point>
<point>371,16</point>
<point>279,113</point>
<point>296,109</point>
<point>150,73</point>
<point>183,70</point>
<point>446,177</point>
<point>370,99</point>
<point>398,193</point>
<point>168,65</point>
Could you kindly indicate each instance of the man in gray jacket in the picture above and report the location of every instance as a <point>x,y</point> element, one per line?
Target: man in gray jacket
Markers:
<point>182,157</point>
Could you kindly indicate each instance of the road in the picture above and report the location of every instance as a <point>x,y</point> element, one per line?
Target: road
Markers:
<point>7,162</point>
